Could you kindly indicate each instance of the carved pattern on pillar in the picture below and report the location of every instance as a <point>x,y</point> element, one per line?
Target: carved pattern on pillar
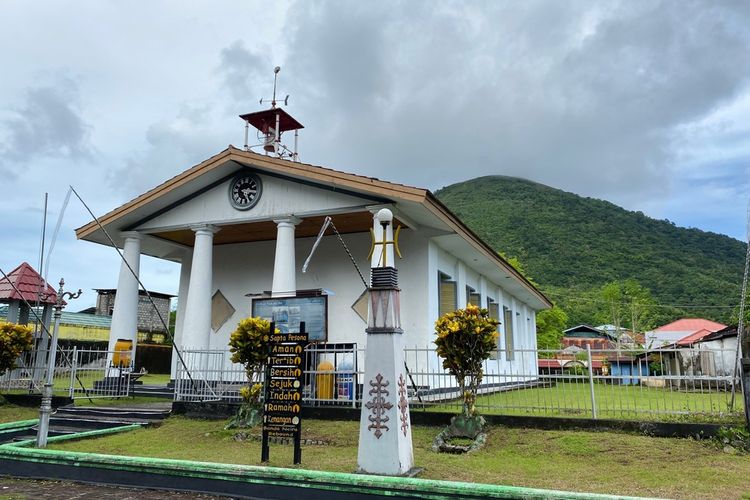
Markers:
<point>378,405</point>
<point>403,403</point>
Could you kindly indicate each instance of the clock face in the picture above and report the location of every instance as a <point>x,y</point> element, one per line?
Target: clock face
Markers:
<point>244,191</point>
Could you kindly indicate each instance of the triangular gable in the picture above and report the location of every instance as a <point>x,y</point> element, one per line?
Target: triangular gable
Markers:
<point>279,196</point>
<point>421,206</point>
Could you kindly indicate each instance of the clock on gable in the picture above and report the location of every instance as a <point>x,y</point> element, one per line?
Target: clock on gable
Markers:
<point>244,191</point>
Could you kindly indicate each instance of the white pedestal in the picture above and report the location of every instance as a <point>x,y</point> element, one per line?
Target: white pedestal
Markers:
<point>385,442</point>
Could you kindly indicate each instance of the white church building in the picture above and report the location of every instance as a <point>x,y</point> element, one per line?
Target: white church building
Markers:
<point>241,224</point>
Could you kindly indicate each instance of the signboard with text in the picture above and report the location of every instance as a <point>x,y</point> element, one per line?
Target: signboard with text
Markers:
<point>282,401</point>
<point>288,312</point>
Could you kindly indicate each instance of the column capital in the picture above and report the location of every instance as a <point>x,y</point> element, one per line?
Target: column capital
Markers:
<point>205,228</point>
<point>131,235</point>
<point>288,220</point>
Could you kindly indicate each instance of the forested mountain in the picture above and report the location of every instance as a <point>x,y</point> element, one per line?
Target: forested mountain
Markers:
<point>572,246</point>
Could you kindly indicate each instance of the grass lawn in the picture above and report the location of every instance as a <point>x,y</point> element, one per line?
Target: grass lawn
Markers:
<point>155,379</point>
<point>613,401</point>
<point>567,460</point>
<point>13,413</point>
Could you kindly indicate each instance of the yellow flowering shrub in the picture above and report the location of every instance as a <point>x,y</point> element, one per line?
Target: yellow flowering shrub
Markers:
<point>14,340</point>
<point>465,339</point>
<point>248,344</point>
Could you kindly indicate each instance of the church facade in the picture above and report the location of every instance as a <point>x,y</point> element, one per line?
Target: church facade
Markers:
<point>241,224</point>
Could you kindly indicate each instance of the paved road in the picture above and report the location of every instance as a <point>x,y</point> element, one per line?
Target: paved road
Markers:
<point>27,489</point>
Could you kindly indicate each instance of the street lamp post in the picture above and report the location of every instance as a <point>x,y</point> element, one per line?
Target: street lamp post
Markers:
<point>45,410</point>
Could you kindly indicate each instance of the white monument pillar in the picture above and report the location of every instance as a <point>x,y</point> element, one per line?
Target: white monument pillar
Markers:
<point>125,312</point>
<point>196,327</point>
<point>185,264</point>
<point>385,443</point>
<point>284,266</point>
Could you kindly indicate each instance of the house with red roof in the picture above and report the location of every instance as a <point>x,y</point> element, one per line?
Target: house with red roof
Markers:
<point>683,332</point>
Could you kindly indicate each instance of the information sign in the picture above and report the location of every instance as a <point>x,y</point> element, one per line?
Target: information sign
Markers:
<point>289,312</point>
<point>282,401</point>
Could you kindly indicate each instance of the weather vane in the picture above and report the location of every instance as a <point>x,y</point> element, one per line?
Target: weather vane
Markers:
<point>273,99</point>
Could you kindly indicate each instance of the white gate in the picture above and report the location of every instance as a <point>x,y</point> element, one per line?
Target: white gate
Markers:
<point>93,375</point>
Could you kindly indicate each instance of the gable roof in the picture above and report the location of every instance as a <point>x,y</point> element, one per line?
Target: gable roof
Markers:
<point>24,283</point>
<point>691,325</point>
<point>415,206</point>
<point>570,332</point>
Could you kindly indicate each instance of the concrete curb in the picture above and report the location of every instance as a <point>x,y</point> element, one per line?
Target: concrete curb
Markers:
<point>440,419</point>
<point>243,481</point>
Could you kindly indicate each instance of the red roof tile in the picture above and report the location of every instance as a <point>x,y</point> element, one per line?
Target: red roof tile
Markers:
<point>28,282</point>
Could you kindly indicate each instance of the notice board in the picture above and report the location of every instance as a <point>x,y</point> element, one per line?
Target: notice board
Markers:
<point>288,312</point>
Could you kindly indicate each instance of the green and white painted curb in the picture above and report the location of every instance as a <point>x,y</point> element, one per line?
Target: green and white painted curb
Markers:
<point>334,482</point>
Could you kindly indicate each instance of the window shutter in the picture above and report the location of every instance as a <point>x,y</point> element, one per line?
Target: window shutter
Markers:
<point>447,300</point>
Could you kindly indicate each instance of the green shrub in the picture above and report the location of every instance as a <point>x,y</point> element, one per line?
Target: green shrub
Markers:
<point>465,339</point>
<point>14,340</point>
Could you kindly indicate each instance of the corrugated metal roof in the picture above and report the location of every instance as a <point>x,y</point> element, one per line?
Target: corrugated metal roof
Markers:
<point>29,283</point>
<point>691,325</point>
<point>71,319</point>
<point>693,337</point>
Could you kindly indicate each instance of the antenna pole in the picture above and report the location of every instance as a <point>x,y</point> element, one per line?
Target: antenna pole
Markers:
<point>275,76</point>
<point>295,156</point>
<point>42,284</point>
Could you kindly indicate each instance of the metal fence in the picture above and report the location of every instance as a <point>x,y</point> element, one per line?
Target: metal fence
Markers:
<point>683,383</point>
<point>331,376</point>
<point>677,383</point>
<point>78,373</point>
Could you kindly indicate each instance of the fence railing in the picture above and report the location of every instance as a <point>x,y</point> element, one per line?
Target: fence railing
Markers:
<point>78,373</point>
<point>677,383</point>
<point>683,383</point>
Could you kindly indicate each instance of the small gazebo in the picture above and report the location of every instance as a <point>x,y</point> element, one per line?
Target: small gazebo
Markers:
<point>23,287</point>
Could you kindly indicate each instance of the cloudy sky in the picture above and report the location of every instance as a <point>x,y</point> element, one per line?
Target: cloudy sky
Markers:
<point>642,103</point>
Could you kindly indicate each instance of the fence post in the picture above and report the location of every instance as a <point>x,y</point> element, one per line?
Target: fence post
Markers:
<point>73,367</point>
<point>591,382</point>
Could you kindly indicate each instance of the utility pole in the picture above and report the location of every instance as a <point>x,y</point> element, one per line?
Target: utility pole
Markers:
<point>45,410</point>
<point>743,340</point>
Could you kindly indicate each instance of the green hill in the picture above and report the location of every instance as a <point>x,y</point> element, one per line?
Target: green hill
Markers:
<point>573,245</point>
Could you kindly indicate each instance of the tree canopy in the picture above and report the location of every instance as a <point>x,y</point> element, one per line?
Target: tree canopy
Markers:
<point>573,246</point>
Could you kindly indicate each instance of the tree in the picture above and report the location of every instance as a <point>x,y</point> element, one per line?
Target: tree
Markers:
<point>629,303</point>
<point>465,339</point>
<point>550,324</point>
<point>14,340</point>
<point>248,344</point>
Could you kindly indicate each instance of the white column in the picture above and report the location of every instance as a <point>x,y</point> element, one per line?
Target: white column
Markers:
<point>185,264</point>
<point>196,326</point>
<point>125,312</point>
<point>284,266</point>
